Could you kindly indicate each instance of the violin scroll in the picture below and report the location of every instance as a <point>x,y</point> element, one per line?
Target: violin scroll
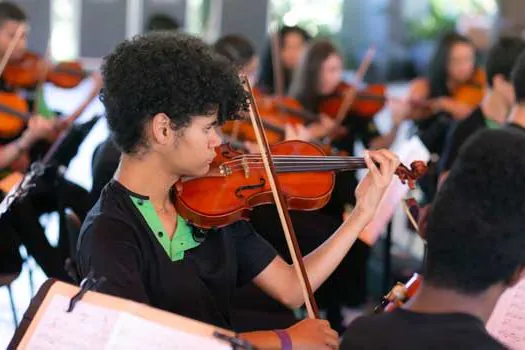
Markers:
<point>417,170</point>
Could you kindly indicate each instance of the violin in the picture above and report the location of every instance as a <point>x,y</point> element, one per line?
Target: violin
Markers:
<point>236,182</point>
<point>400,294</point>
<point>368,102</point>
<point>472,92</point>
<point>276,112</point>
<point>33,69</point>
<point>14,114</point>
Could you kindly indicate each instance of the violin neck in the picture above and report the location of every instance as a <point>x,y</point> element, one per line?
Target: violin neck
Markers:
<point>302,113</point>
<point>71,71</point>
<point>286,164</point>
<point>272,127</point>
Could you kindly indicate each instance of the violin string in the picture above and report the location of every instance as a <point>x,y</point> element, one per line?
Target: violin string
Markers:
<point>294,158</point>
<point>313,163</point>
<point>303,165</point>
<point>299,168</point>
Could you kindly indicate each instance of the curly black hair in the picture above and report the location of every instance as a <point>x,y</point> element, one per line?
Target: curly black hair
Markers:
<point>166,72</point>
<point>476,229</point>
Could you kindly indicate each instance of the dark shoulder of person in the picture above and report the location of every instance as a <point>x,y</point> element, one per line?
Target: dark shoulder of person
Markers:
<point>515,127</point>
<point>459,133</point>
<point>409,330</point>
<point>108,221</point>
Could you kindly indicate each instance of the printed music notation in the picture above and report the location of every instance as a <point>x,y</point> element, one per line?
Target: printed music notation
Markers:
<point>94,327</point>
<point>87,327</point>
<point>507,322</point>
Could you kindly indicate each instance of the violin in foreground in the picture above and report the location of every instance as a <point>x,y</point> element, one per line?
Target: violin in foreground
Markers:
<point>237,182</point>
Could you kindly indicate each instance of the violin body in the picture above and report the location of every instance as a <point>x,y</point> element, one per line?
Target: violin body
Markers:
<point>471,93</point>
<point>236,183</point>
<point>13,114</point>
<point>367,103</point>
<point>32,69</point>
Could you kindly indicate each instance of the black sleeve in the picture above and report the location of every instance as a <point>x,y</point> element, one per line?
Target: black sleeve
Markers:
<point>107,246</point>
<point>365,129</point>
<point>254,253</point>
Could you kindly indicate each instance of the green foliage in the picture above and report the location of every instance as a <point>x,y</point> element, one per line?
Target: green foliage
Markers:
<point>429,28</point>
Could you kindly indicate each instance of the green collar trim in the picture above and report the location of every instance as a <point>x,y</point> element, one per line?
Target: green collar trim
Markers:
<point>491,124</point>
<point>181,241</point>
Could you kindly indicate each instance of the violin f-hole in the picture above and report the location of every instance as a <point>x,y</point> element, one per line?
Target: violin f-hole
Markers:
<point>238,191</point>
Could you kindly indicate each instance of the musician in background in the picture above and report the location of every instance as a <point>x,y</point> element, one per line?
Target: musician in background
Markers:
<point>453,88</point>
<point>10,259</point>
<point>166,129</point>
<point>50,191</point>
<point>318,78</point>
<point>293,41</point>
<point>495,107</point>
<point>475,242</point>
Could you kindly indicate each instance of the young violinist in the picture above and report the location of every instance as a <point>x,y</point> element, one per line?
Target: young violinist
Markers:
<point>166,129</point>
<point>293,41</point>
<point>475,241</point>
<point>495,107</point>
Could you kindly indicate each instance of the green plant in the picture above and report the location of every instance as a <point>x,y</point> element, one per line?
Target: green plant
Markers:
<point>431,26</point>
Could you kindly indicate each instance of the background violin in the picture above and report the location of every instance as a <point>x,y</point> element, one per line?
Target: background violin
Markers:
<point>367,103</point>
<point>14,114</point>
<point>33,69</point>
<point>237,182</point>
<point>472,92</point>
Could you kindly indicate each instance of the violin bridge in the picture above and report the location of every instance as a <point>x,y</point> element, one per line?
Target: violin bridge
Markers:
<point>225,170</point>
<point>245,167</point>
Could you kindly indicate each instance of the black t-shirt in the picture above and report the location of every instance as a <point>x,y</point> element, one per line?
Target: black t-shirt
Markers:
<point>403,329</point>
<point>459,134</point>
<point>117,243</point>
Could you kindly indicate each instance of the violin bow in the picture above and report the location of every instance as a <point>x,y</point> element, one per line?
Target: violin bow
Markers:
<point>351,94</point>
<point>12,44</point>
<point>280,202</point>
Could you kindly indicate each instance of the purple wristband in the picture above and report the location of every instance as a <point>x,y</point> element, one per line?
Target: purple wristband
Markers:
<point>286,341</point>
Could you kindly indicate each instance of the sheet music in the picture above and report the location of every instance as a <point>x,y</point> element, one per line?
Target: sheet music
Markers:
<point>507,322</point>
<point>132,332</point>
<point>94,327</point>
<point>87,327</point>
